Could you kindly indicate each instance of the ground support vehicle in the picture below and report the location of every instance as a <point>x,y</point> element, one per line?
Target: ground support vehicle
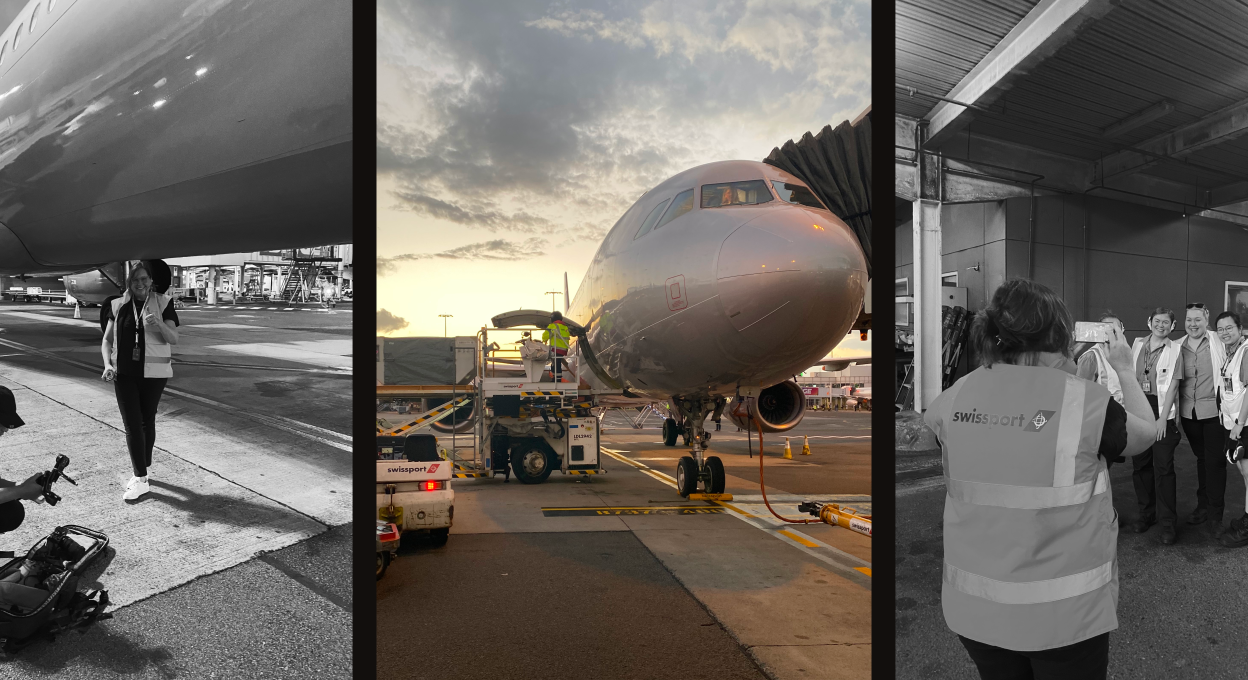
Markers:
<point>414,486</point>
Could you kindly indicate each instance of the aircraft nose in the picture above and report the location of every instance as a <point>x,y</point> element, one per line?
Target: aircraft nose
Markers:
<point>792,281</point>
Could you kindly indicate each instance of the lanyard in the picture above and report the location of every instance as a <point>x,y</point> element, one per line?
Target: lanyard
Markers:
<point>1151,357</point>
<point>1229,356</point>
<point>134,307</point>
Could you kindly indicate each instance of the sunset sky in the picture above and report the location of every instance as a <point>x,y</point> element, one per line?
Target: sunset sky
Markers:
<point>511,136</point>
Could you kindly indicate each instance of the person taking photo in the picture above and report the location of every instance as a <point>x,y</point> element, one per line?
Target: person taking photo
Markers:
<point>1030,580</point>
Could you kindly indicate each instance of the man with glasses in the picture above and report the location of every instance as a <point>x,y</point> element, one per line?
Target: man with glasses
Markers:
<point>1200,360</point>
<point>1232,385</point>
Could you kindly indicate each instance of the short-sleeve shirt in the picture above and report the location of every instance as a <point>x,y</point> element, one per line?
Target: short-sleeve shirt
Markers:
<point>126,365</point>
<point>1114,432</point>
<point>1197,397</point>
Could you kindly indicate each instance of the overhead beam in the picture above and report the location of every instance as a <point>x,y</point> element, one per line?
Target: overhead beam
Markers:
<point>1228,194</point>
<point>1046,28</point>
<point>1216,128</point>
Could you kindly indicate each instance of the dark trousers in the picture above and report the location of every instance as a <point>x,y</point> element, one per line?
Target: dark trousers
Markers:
<point>1087,660</point>
<point>1208,441</point>
<point>138,398</point>
<point>1153,475</point>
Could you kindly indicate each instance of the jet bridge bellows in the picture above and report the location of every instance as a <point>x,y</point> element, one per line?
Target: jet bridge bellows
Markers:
<point>836,165</point>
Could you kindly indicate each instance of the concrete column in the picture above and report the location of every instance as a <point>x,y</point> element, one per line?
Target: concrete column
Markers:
<point>927,323</point>
<point>210,285</point>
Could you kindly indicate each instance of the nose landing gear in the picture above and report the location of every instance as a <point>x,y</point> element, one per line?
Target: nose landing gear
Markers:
<point>694,469</point>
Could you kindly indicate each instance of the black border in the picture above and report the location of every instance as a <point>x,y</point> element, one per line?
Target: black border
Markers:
<point>364,92</point>
<point>883,375</point>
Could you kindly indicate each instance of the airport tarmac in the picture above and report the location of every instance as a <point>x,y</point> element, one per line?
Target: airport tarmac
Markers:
<point>616,576</point>
<point>237,563</point>
<point>1181,608</point>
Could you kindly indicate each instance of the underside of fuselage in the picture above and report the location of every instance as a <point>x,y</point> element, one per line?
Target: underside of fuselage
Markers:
<point>164,129</point>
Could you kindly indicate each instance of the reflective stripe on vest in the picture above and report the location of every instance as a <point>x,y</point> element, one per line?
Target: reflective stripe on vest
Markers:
<point>1233,400</point>
<point>1029,526</point>
<point>1163,370</point>
<point>1033,592</point>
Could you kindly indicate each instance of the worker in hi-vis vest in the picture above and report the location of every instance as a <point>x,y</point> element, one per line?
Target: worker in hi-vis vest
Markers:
<point>1156,361</point>
<point>1030,580</point>
<point>1234,411</point>
<point>556,335</point>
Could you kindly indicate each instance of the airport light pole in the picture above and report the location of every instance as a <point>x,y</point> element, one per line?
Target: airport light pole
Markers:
<point>444,318</point>
<point>552,294</point>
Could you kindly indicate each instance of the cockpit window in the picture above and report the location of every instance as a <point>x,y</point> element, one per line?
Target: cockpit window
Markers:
<point>650,220</point>
<point>752,192</point>
<point>682,204</point>
<point>796,193</point>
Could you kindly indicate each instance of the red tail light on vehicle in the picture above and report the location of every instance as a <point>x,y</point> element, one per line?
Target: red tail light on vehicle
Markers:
<point>432,485</point>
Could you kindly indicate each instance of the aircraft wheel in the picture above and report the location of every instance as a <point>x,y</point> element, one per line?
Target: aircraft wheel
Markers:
<point>717,480</point>
<point>383,561</point>
<point>531,461</point>
<point>669,432</point>
<point>686,477</point>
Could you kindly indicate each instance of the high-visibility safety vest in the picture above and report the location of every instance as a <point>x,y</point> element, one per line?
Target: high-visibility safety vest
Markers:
<point>1030,530</point>
<point>1232,398</point>
<point>556,334</point>
<point>157,354</point>
<point>1105,374</point>
<point>1163,373</point>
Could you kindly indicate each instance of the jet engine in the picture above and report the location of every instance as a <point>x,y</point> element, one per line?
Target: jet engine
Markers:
<point>779,408</point>
<point>464,418</point>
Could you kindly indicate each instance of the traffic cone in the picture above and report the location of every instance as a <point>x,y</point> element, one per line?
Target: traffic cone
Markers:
<point>77,312</point>
<point>788,453</point>
<point>806,445</point>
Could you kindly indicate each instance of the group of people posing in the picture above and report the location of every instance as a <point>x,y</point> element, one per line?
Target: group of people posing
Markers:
<point>1196,382</point>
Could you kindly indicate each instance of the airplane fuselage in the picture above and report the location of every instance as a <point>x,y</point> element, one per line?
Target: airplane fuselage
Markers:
<point>719,297</point>
<point>155,129</point>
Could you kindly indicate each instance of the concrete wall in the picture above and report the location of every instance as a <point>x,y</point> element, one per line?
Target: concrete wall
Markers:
<point>1137,257</point>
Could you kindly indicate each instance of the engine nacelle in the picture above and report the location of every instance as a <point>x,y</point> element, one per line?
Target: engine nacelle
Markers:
<point>779,408</point>
<point>465,417</point>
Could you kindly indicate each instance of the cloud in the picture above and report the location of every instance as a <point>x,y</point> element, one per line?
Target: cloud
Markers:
<point>529,118</point>
<point>389,323</point>
<point>496,250</point>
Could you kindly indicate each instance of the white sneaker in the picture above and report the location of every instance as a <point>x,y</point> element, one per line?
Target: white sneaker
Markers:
<point>137,487</point>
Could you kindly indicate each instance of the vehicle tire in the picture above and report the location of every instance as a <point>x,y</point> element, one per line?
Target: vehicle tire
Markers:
<point>532,461</point>
<point>669,432</point>
<point>383,561</point>
<point>717,480</point>
<point>439,536</point>
<point>686,477</point>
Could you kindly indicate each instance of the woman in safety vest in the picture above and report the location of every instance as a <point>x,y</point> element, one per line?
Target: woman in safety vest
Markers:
<point>1201,359</point>
<point>1030,533</point>
<point>1156,360</point>
<point>1233,409</point>
<point>137,359</point>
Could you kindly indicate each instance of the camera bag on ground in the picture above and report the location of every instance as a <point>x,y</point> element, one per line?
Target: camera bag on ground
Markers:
<point>39,591</point>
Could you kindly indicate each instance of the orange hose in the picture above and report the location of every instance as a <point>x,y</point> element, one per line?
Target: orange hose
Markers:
<point>763,487</point>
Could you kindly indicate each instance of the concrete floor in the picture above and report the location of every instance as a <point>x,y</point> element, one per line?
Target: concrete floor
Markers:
<point>237,562</point>
<point>1180,607</point>
<point>645,595</point>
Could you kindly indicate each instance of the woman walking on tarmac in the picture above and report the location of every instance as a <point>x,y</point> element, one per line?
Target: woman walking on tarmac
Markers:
<point>1200,363</point>
<point>136,349</point>
<point>1030,533</point>
<point>1233,409</point>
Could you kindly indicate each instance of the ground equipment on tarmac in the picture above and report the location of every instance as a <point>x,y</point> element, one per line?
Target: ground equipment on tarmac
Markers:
<point>39,594</point>
<point>834,514</point>
<point>388,538</point>
<point>414,486</point>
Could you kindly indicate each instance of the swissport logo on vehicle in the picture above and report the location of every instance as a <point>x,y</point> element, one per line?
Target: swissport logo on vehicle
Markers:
<point>1033,424</point>
<point>405,469</point>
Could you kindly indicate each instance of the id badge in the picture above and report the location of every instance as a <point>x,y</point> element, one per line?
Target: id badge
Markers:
<point>1226,384</point>
<point>135,354</point>
<point>1147,386</point>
